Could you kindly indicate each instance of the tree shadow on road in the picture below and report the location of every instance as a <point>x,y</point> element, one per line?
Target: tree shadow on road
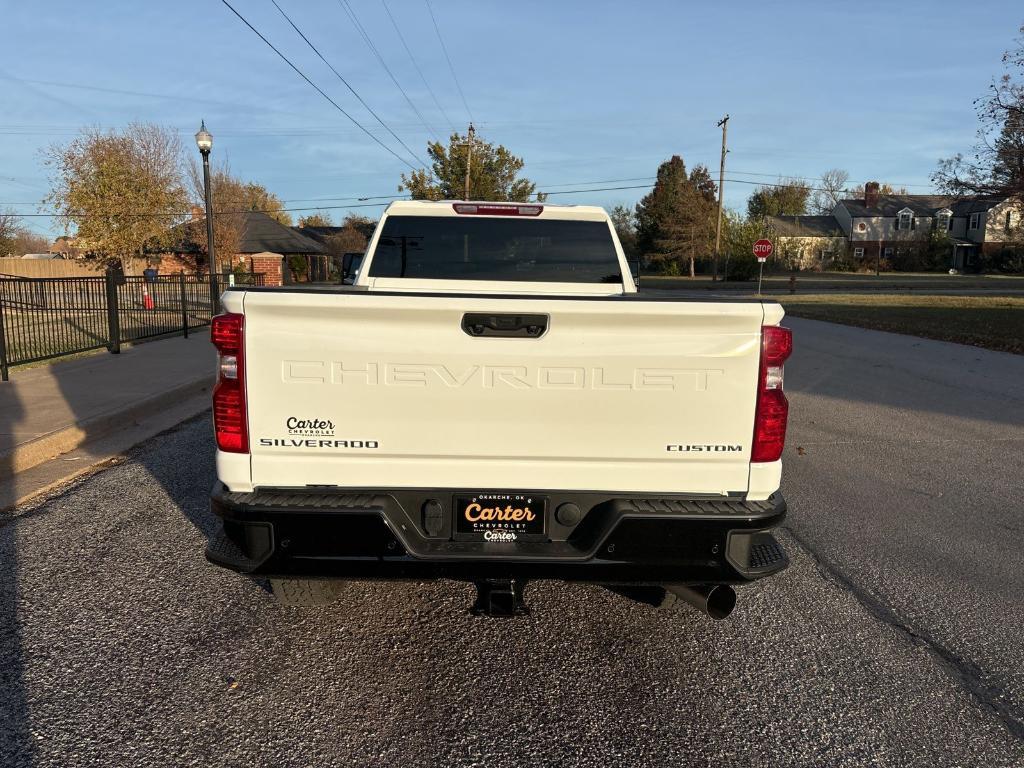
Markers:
<point>911,378</point>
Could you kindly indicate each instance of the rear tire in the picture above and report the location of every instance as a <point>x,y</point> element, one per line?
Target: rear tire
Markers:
<point>306,592</point>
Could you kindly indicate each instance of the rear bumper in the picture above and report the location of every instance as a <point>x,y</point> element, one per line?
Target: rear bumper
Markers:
<point>620,539</point>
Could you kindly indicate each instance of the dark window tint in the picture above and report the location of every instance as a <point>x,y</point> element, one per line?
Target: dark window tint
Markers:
<point>513,249</point>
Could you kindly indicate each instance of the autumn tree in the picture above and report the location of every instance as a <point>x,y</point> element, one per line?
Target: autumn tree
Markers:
<point>121,190</point>
<point>857,192</point>
<point>676,219</point>
<point>788,197</point>
<point>353,236</point>
<point>26,241</point>
<point>232,198</point>
<point>494,173</point>
<point>995,166</point>
<point>316,219</point>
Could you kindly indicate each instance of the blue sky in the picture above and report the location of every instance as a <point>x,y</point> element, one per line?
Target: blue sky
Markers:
<point>584,91</point>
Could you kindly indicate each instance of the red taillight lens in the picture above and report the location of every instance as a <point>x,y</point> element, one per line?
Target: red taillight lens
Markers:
<point>230,420</point>
<point>479,209</point>
<point>772,407</point>
<point>226,333</point>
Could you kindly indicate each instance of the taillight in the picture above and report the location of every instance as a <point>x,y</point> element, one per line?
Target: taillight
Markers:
<point>480,209</point>
<point>772,406</point>
<point>230,421</point>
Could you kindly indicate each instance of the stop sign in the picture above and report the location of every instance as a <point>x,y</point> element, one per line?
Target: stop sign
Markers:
<point>763,249</point>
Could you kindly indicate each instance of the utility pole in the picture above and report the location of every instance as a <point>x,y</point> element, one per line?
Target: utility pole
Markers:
<point>723,124</point>
<point>469,156</point>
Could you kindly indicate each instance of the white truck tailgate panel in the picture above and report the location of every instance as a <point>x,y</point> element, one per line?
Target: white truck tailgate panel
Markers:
<point>623,395</point>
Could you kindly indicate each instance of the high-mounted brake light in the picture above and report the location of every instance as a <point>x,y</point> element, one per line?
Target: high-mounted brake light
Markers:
<point>772,407</point>
<point>230,419</point>
<point>478,209</point>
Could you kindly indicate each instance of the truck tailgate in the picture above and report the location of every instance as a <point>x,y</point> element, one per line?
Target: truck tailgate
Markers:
<point>376,390</point>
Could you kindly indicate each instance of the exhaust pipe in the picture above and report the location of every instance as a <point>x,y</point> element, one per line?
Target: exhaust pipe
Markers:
<point>716,600</point>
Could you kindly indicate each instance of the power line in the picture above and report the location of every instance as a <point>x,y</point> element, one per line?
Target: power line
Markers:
<point>366,37</point>
<point>364,198</point>
<point>386,198</point>
<point>417,66</point>
<point>541,187</point>
<point>449,60</point>
<point>602,181</point>
<point>185,214</point>
<point>347,85</point>
<point>317,87</point>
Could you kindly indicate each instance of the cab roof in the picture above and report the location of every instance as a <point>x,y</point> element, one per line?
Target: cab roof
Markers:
<point>494,208</point>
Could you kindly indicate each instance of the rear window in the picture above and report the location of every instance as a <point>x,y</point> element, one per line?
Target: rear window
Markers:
<point>513,249</point>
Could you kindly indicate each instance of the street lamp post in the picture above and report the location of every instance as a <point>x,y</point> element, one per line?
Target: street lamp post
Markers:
<point>204,140</point>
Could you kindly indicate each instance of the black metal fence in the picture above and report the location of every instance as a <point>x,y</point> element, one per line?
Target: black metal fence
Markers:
<point>47,317</point>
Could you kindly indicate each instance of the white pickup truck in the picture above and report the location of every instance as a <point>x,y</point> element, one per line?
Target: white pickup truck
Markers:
<point>492,400</point>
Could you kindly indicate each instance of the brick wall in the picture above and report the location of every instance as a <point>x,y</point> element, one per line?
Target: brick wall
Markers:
<point>269,264</point>
<point>172,264</point>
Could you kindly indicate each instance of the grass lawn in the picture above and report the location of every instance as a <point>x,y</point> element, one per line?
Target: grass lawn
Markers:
<point>994,322</point>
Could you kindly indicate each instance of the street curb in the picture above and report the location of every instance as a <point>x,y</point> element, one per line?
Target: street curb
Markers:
<point>54,444</point>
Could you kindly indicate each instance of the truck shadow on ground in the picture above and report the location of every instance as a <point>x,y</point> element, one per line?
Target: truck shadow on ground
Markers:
<point>66,387</point>
<point>14,728</point>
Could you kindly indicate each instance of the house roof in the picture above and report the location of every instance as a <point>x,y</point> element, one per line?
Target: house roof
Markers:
<point>320,234</point>
<point>920,205</point>
<point>806,226</point>
<point>261,233</point>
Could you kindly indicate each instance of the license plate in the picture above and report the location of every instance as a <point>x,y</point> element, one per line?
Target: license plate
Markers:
<point>500,517</point>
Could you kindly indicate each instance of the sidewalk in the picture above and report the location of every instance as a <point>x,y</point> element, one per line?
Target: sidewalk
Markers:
<point>51,410</point>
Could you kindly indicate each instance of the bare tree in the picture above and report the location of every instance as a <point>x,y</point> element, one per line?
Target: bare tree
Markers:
<point>995,166</point>
<point>10,229</point>
<point>831,189</point>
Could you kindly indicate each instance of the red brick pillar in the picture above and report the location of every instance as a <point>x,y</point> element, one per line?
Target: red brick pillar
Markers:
<point>270,264</point>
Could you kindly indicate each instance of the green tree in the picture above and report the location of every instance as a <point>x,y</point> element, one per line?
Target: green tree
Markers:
<point>494,173</point>
<point>624,220</point>
<point>788,197</point>
<point>121,190</point>
<point>676,219</point>
<point>739,233</point>
<point>316,219</point>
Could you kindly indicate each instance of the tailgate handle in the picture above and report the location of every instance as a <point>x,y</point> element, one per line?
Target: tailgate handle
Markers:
<point>505,324</point>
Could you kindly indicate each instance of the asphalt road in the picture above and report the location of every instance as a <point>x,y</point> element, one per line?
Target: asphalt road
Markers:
<point>895,638</point>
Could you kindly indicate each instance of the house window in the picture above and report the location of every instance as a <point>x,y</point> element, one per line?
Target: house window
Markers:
<point>1009,220</point>
<point>888,253</point>
<point>944,221</point>
<point>905,220</point>
<point>975,221</point>
<point>858,253</point>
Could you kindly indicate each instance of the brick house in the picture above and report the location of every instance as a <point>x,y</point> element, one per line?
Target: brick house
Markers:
<point>265,245</point>
<point>884,228</point>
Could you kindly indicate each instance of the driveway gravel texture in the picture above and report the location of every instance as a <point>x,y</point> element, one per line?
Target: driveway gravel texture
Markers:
<point>894,638</point>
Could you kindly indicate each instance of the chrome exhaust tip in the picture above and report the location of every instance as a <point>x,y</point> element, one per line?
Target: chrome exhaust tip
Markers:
<point>716,600</point>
